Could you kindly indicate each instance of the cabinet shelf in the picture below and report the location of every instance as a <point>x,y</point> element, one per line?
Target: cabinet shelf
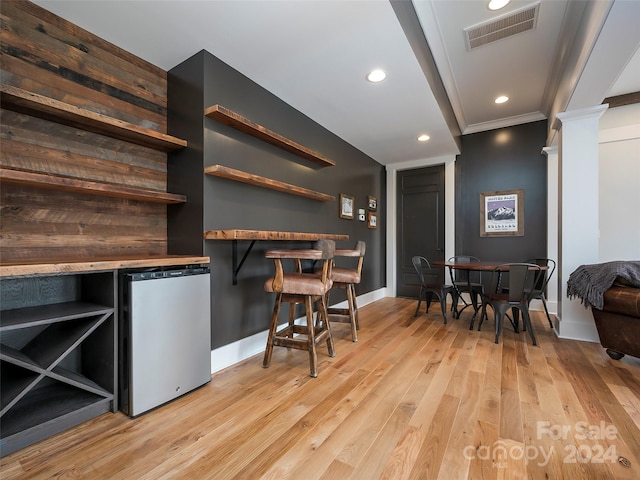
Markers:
<point>264,182</point>
<point>20,359</point>
<point>31,373</point>
<point>45,314</point>
<point>58,339</point>
<point>16,382</point>
<point>37,105</point>
<point>76,380</point>
<point>232,119</point>
<point>70,184</point>
<point>41,411</point>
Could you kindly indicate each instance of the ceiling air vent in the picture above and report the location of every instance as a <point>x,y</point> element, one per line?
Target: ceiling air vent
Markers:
<point>502,27</point>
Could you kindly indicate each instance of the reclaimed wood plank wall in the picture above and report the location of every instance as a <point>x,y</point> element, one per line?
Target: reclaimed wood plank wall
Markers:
<point>46,54</point>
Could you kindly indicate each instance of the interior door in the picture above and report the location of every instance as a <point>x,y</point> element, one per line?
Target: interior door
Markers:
<point>420,231</point>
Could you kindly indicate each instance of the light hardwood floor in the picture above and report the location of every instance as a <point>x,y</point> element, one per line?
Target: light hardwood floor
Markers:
<point>414,398</point>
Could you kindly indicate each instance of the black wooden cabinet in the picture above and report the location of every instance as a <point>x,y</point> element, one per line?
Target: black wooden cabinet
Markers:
<point>58,354</point>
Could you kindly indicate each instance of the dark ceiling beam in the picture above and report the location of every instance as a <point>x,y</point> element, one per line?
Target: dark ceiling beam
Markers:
<point>621,100</point>
<point>410,24</point>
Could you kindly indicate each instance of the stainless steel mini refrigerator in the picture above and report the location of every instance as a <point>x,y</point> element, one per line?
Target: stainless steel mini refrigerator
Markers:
<point>165,336</point>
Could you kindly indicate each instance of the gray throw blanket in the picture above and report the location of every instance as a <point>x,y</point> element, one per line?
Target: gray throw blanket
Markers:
<point>589,282</point>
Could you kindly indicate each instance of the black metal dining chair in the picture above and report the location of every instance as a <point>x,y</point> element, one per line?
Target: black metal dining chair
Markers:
<point>540,287</point>
<point>462,283</point>
<point>429,290</point>
<point>521,280</point>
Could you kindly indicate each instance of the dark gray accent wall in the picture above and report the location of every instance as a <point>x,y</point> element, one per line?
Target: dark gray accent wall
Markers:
<point>215,203</point>
<point>502,159</point>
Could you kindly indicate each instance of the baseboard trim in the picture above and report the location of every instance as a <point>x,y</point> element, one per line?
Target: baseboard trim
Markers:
<point>538,306</point>
<point>228,355</point>
<point>582,331</point>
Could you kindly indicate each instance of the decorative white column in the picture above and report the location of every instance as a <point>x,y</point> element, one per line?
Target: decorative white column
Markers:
<point>578,213</point>
<point>552,226</point>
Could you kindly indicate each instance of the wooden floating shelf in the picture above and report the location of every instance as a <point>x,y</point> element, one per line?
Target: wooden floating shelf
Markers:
<point>232,119</point>
<point>69,184</point>
<point>236,234</point>
<point>259,181</point>
<point>14,98</point>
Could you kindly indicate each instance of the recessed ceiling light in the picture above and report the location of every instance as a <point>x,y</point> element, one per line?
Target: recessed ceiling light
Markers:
<point>376,76</point>
<point>498,4</point>
<point>423,138</point>
<point>501,99</point>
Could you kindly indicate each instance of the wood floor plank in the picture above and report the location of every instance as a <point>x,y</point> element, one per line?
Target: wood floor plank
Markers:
<point>510,415</point>
<point>442,368</point>
<point>489,401</point>
<point>617,439</point>
<point>323,446</point>
<point>629,402</point>
<point>481,452</point>
<point>337,471</point>
<point>403,373</point>
<point>261,463</point>
<point>238,450</point>
<point>432,452</point>
<point>513,465</point>
<point>414,398</point>
<point>455,465</point>
<point>374,461</point>
<point>404,455</point>
<point>543,453</point>
<point>481,354</point>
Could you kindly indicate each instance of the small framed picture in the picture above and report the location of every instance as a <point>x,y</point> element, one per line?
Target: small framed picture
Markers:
<point>372,204</point>
<point>372,220</point>
<point>346,206</point>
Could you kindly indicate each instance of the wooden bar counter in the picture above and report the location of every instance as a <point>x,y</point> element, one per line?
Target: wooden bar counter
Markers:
<point>237,234</point>
<point>61,266</point>
<point>254,235</point>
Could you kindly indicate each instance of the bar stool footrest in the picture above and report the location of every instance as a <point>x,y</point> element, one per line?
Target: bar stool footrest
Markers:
<point>290,330</point>
<point>301,343</point>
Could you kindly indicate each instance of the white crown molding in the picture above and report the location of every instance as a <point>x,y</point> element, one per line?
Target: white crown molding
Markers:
<point>504,122</point>
<point>423,162</point>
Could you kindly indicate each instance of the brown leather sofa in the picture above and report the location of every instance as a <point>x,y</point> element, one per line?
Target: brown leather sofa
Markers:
<point>618,322</point>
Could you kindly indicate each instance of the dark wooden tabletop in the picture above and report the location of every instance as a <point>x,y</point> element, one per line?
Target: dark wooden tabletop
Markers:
<point>481,265</point>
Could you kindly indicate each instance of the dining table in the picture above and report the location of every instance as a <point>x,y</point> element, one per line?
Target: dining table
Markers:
<point>482,265</point>
<point>478,266</point>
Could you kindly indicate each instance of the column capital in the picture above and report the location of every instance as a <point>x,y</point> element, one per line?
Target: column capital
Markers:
<point>579,114</point>
<point>552,150</point>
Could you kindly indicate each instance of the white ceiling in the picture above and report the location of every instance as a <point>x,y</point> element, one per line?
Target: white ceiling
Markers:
<point>315,54</point>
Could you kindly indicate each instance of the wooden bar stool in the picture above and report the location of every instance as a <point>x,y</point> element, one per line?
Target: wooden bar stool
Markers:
<point>347,278</point>
<point>300,287</point>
